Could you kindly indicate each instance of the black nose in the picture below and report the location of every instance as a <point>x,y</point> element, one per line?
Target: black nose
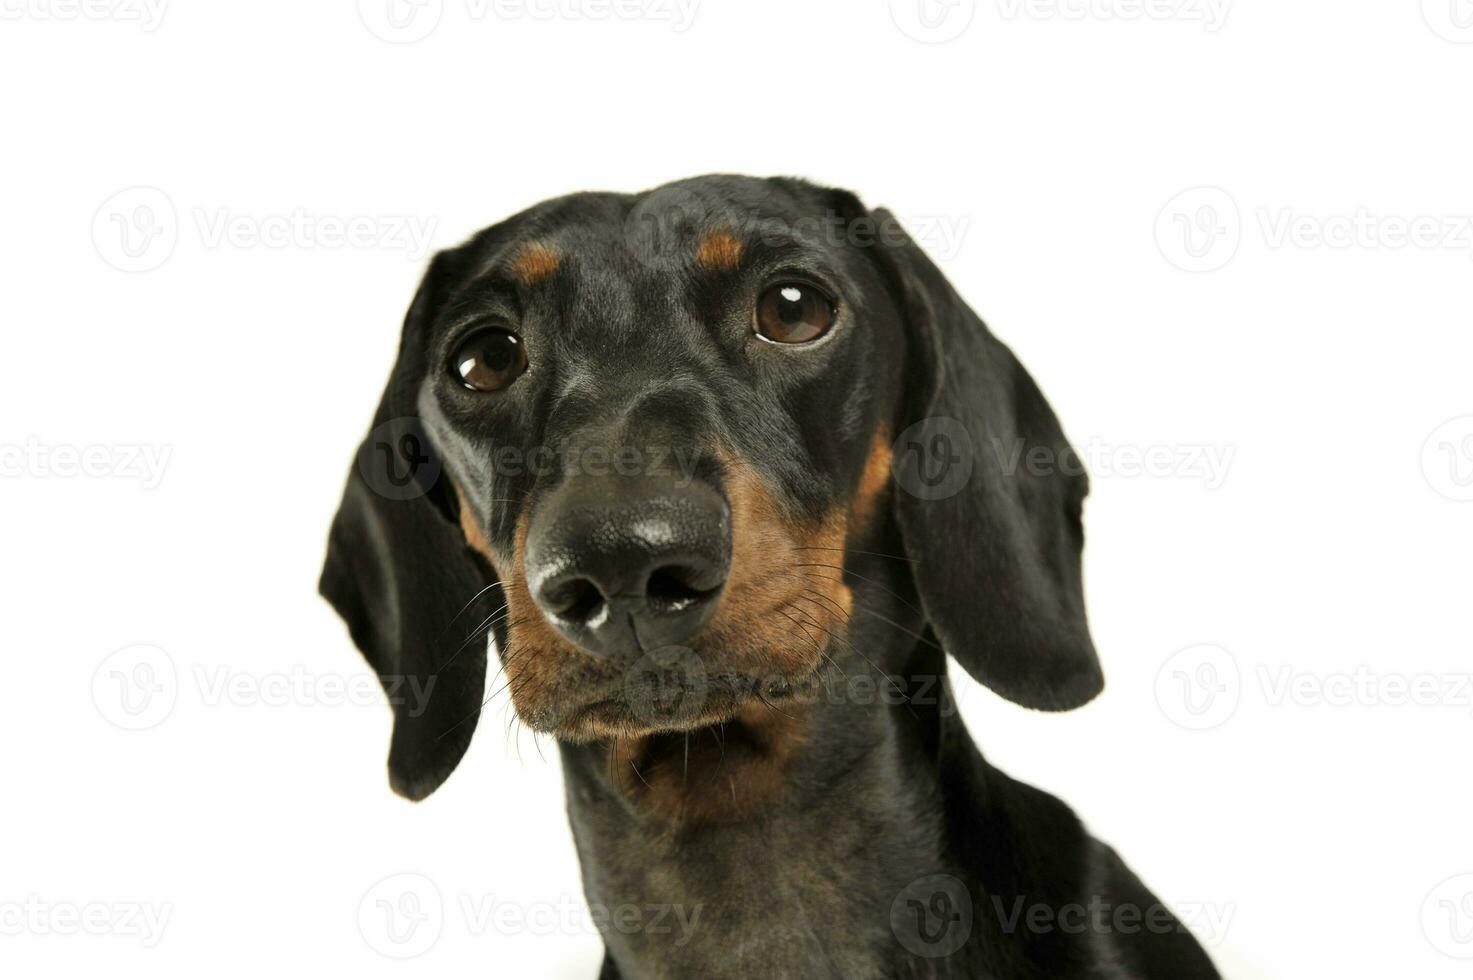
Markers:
<point>623,566</point>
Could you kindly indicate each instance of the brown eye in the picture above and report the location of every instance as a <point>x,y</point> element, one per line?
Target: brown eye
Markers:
<point>793,313</point>
<point>489,360</point>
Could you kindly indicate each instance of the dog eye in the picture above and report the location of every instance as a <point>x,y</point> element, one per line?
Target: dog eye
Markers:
<point>489,360</point>
<point>793,313</point>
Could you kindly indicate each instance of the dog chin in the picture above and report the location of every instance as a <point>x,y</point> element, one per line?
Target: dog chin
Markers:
<point>639,711</point>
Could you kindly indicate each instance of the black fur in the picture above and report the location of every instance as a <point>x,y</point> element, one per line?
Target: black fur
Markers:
<point>890,823</point>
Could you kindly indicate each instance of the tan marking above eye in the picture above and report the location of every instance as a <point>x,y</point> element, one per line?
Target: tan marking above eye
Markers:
<point>534,263</point>
<point>719,251</point>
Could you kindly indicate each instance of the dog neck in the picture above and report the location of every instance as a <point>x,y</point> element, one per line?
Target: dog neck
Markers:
<point>783,883</point>
<point>769,846</point>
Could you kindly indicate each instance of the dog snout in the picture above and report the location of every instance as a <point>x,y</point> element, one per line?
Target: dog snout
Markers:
<point>620,566</point>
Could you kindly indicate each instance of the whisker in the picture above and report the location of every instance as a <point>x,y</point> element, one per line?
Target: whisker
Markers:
<point>507,660</point>
<point>904,629</point>
<point>862,578</point>
<point>467,606</point>
<point>819,626</point>
<point>855,551</point>
<point>504,607</point>
<point>817,646</point>
<point>770,705</point>
<point>475,634</point>
<point>640,774</point>
<point>802,598</point>
<point>831,660</point>
<point>876,667</point>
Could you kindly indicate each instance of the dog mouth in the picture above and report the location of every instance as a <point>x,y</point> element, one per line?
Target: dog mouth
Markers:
<point>687,740</point>
<point>695,755</point>
<point>673,702</point>
<point>712,771</point>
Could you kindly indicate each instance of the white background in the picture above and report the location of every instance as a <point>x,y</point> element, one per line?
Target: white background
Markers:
<point>1254,757</point>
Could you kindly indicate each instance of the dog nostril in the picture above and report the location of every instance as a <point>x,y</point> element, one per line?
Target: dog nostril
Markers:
<point>669,589</point>
<point>621,567</point>
<point>577,600</point>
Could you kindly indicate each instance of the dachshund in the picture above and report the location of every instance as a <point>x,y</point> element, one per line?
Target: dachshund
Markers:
<point>720,475</point>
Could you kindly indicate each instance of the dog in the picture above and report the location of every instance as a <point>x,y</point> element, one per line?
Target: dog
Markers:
<point>727,470</point>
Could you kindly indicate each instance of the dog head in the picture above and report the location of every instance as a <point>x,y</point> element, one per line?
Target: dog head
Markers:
<point>635,428</point>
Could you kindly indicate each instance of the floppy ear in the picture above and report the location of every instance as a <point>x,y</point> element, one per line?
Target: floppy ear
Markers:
<point>398,572</point>
<point>989,498</point>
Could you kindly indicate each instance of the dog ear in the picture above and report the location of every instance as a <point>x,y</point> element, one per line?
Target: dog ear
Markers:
<point>399,573</point>
<point>989,498</point>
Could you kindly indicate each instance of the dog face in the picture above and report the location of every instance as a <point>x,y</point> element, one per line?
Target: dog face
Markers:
<point>663,421</point>
<point>652,428</point>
